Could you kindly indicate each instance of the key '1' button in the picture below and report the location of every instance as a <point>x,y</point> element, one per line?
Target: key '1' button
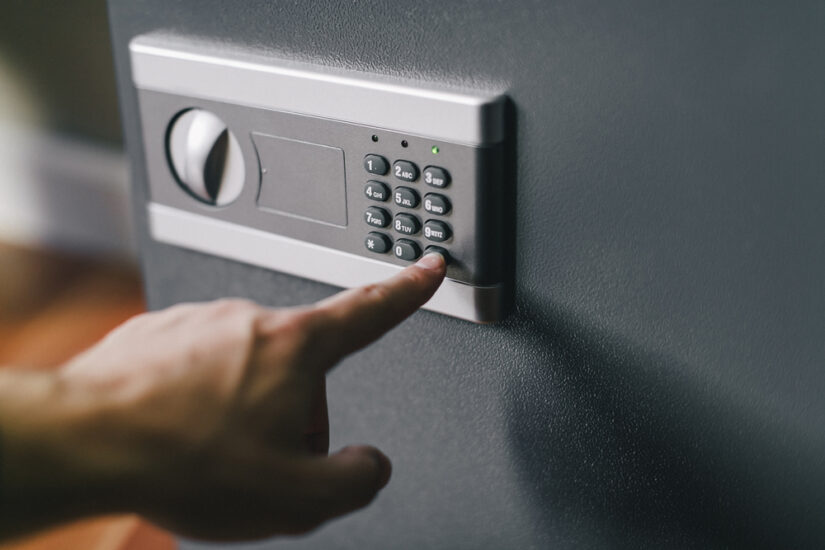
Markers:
<point>378,242</point>
<point>406,197</point>
<point>377,191</point>
<point>377,217</point>
<point>436,204</point>
<point>437,231</point>
<point>406,249</point>
<point>405,170</point>
<point>407,224</point>
<point>376,164</point>
<point>436,176</point>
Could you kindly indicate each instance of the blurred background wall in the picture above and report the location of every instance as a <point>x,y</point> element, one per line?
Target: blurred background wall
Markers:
<point>63,175</point>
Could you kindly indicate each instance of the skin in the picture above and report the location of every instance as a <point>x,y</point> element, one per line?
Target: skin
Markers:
<point>208,419</point>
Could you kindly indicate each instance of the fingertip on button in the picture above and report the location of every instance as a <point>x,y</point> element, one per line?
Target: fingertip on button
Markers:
<point>437,250</point>
<point>433,261</point>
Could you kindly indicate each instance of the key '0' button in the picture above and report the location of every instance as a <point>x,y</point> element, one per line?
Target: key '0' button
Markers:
<point>406,249</point>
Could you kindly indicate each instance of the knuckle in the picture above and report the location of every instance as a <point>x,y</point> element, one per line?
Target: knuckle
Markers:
<point>375,292</point>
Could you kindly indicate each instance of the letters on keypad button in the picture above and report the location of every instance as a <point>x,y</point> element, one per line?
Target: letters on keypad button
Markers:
<point>377,217</point>
<point>437,231</point>
<point>436,204</point>
<point>377,191</point>
<point>407,224</point>
<point>405,170</point>
<point>436,176</point>
<point>406,197</point>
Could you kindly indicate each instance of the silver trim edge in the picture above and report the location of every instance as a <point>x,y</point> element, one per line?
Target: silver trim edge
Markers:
<point>480,304</point>
<point>216,73</point>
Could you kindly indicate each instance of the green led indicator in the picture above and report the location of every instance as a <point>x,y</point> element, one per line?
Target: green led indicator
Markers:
<point>435,149</point>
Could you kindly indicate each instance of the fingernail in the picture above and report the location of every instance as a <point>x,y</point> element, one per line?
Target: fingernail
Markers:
<point>433,261</point>
<point>384,468</point>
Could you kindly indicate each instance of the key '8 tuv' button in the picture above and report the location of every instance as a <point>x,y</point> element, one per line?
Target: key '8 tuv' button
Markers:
<point>377,217</point>
<point>405,170</point>
<point>377,191</point>
<point>376,164</point>
<point>436,204</point>
<point>436,176</point>
<point>406,197</point>
<point>407,224</point>
<point>377,242</point>
<point>406,249</point>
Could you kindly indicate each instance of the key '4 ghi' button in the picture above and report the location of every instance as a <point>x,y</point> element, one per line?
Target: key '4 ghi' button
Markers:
<point>436,176</point>
<point>405,170</point>
<point>376,164</point>
<point>377,191</point>
<point>406,249</point>
<point>436,204</point>
<point>406,197</point>
<point>407,224</point>
<point>378,242</point>
<point>377,217</point>
<point>437,231</point>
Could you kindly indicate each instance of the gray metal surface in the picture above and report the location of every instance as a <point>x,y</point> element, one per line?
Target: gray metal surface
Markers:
<point>661,382</point>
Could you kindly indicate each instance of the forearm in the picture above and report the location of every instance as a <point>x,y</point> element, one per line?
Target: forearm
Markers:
<point>43,480</point>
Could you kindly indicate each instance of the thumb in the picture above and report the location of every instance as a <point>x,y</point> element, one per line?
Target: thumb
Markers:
<point>345,481</point>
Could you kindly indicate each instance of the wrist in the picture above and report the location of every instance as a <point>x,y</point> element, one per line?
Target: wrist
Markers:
<point>49,472</point>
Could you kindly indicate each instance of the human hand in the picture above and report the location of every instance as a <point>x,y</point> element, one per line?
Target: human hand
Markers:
<point>209,419</point>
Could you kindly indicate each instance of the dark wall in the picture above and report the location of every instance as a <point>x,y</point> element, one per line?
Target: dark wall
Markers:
<point>661,382</point>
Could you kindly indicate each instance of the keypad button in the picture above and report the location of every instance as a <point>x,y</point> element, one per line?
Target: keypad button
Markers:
<point>407,249</point>
<point>378,242</point>
<point>440,250</point>
<point>376,164</point>
<point>405,170</point>
<point>436,176</point>
<point>437,231</point>
<point>377,191</point>
<point>436,204</point>
<point>377,217</point>
<point>406,197</point>
<point>407,224</point>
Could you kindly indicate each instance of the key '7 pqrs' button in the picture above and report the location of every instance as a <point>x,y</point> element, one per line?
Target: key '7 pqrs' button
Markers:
<point>377,217</point>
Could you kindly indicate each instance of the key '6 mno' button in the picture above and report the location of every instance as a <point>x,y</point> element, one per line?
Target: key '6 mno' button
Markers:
<point>436,204</point>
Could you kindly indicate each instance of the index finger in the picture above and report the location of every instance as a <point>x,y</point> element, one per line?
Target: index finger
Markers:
<point>351,319</point>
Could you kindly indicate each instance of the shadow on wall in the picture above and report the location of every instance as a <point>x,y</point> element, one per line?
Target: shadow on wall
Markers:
<point>627,447</point>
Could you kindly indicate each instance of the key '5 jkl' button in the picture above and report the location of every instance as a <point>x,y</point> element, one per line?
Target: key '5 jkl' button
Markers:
<point>406,249</point>
<point>436,204</point>
<point>407,224</point>
<point>406,197</point>
<point>377,217</point>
